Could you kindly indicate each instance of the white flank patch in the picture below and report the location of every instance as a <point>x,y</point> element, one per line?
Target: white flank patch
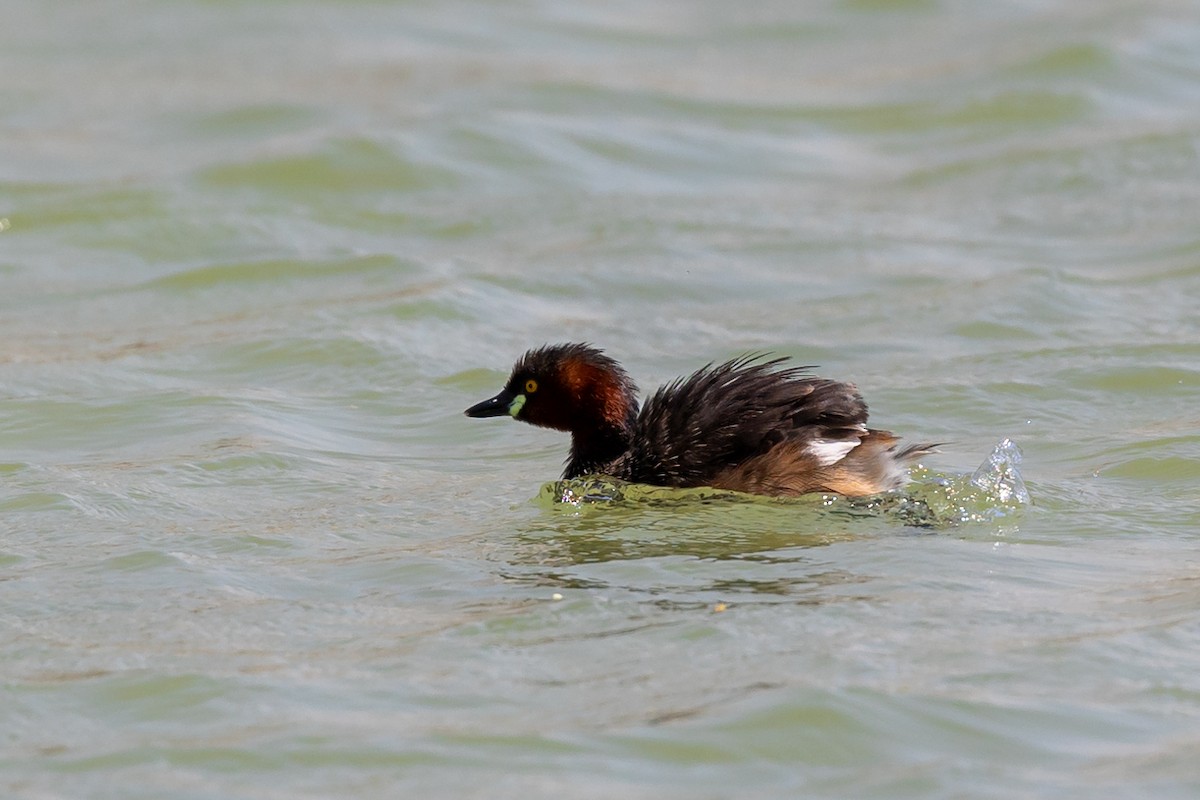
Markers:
<point>828,451</point>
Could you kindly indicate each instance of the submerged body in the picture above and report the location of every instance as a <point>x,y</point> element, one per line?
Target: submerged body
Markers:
<point>747,425</point>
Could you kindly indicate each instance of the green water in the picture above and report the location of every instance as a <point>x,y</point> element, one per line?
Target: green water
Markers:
<point>257,257</point>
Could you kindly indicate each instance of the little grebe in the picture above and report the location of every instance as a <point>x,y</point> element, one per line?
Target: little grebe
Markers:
<point>743,425</point>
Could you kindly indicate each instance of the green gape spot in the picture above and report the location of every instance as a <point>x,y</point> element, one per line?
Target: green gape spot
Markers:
<point>516,405</point>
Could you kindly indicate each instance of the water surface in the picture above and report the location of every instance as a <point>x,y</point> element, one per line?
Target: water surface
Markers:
<point>256,259</point>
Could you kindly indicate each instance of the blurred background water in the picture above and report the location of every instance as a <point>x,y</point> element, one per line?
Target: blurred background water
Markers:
<point>257,257</point>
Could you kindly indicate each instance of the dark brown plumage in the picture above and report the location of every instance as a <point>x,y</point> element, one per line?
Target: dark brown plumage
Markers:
<point>751,425</point>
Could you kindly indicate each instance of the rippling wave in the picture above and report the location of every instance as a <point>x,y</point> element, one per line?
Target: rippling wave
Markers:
<point>257,258</point>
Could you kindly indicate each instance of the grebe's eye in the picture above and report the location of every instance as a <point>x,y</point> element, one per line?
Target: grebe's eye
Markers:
<point>530,386</point>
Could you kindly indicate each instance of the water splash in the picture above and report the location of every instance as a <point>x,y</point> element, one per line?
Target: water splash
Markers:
<point>1000,476</point>
<point>994,491</point>
<point>932,500</point>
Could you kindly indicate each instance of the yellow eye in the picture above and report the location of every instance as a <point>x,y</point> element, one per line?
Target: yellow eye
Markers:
<point>530,386</point>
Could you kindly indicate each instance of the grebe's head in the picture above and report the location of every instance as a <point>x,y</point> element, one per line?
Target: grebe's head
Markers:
<point>568,387</point>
